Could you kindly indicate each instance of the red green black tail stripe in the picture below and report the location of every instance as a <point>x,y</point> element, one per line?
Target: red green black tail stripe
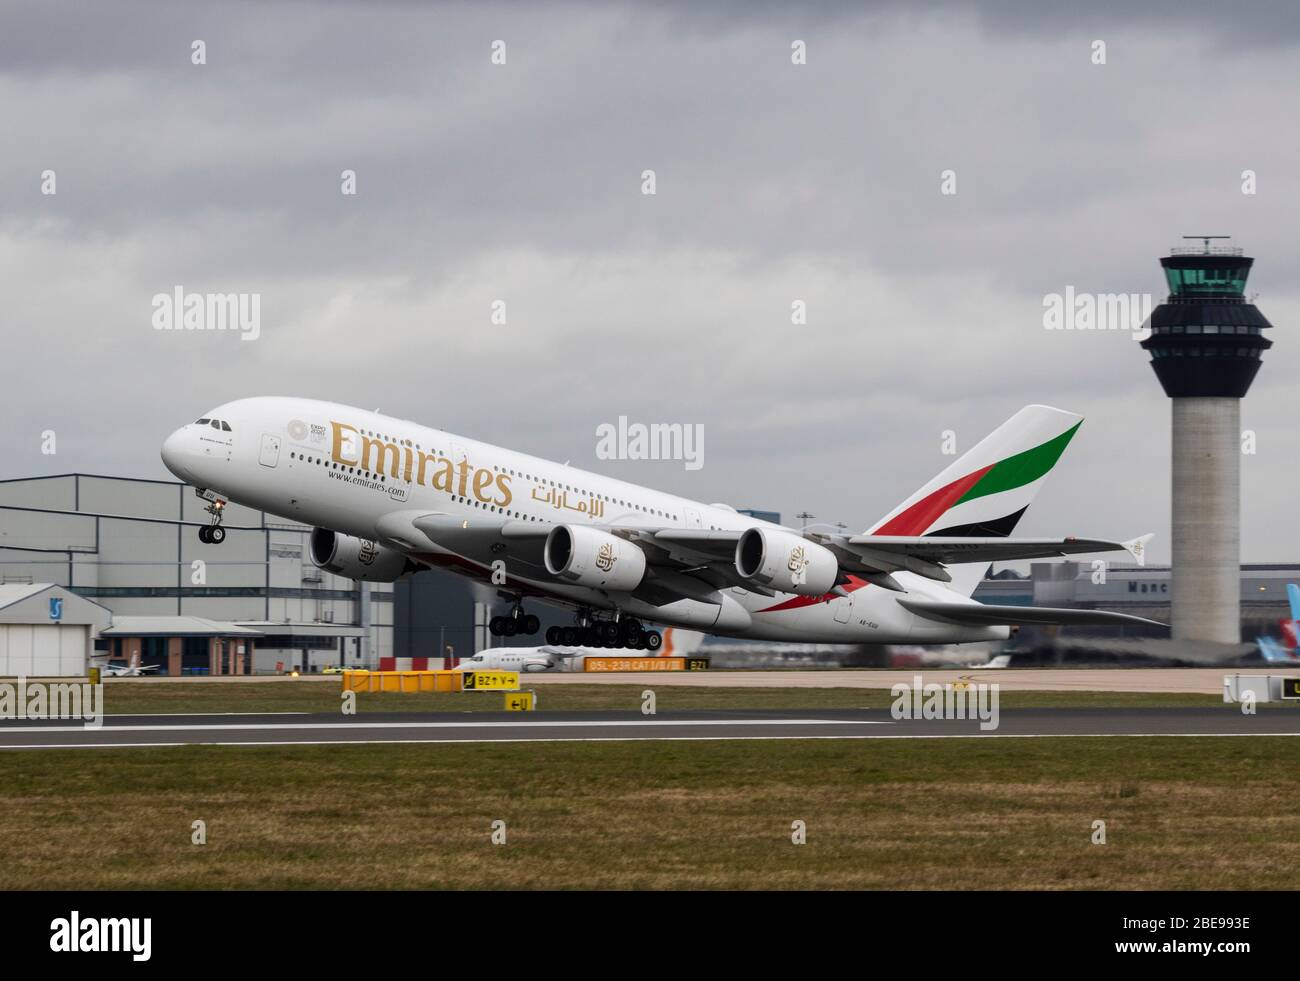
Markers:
<point>1023,468</point>
<point>1015,471</point>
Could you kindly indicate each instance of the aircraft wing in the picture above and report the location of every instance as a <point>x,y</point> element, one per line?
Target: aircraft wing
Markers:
<point>896,549</point>
<point>984,614</point>
<point>696,563</point>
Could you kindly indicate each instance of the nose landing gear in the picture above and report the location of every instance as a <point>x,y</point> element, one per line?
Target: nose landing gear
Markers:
<point>212,534</point>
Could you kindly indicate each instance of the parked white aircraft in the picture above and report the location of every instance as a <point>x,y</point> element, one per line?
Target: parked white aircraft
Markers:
<point>111,670</point>
<point>555,657</point>
<point>388,497</point>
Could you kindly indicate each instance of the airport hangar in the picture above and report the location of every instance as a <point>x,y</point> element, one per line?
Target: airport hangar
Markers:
<point>256,604</point>
<point>263,607</point>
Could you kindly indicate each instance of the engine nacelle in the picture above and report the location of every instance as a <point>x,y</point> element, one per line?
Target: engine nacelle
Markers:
<point>786,562</point>
<point>596,559</point>
<point>358,558</point>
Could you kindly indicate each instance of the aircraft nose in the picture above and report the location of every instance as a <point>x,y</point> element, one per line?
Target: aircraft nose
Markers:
<point>174,453</point>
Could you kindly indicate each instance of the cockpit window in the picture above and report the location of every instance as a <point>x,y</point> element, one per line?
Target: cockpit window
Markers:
<point>225,426</point>
<point>214,424</point>
<point>202,422</point>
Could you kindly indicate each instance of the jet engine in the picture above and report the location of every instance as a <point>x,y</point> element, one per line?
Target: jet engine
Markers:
<point>596,559</point>
<point>786,562</point>
<point>358,558</point>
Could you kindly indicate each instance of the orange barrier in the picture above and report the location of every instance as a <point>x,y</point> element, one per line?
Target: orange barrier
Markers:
<point>402,681</point>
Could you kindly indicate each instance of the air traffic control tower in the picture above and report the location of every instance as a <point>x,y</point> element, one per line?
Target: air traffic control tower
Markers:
<point>1206,343</point>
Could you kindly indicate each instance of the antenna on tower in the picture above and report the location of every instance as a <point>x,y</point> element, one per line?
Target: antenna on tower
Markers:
<point>1205,239</point>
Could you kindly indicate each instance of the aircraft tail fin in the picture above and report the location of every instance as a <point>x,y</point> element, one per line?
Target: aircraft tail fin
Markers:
<point>985,492</point>
<point>1273,651</point>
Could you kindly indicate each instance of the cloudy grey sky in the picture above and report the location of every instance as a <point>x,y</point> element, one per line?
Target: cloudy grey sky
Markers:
<point>522,182</point>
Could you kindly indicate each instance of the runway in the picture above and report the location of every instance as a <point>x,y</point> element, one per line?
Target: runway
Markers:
<point>1203,681</point>
<point>447,727</point>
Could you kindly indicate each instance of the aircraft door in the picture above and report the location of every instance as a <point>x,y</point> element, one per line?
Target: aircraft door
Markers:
<point>270,454</point>
<point>693,518</point>
<point>843,608</point>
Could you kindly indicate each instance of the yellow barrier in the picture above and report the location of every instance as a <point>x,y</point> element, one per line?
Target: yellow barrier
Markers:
<point>408,682</point>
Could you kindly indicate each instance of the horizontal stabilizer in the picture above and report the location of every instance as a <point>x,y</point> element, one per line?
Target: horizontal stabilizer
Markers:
<point>960,550</point>
<point>1137,548</point>
<point>983,614</point>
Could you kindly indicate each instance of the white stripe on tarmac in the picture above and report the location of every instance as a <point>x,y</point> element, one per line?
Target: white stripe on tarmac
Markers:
<point>558,724</point>
<point>175,715</point>
<point>643,739</point>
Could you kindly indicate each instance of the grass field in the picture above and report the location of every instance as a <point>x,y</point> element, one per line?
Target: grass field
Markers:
<point>1180,814</point>
<point>315,696</point>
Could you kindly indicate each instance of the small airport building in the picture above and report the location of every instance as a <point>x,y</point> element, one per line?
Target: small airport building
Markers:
<point>1144,591</point>
<point>129,549</point>
<point>47,631</point>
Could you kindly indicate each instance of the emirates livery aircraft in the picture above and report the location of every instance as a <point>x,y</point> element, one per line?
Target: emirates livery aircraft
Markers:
<point>387,498</point>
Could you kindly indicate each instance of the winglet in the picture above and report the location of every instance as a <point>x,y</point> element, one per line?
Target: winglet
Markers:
<point>1137,547</point>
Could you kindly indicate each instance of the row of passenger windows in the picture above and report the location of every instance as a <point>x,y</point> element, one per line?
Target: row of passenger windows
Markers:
<point>508,512</point>
<point>214,423</point>
<point>506,470</point>
<point>328,465</point>
<point>558,485</point>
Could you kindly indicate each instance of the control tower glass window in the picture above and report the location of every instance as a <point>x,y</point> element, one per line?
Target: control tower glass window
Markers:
<point>1195,282</point>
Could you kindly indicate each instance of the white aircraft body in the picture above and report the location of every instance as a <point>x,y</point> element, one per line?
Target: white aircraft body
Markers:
<point>388,497</point>
<point>110,670</point>
<point>555,657</point>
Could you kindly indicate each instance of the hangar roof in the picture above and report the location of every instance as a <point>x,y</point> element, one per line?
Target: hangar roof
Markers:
<point>26,602</point>
<point>175,627</point>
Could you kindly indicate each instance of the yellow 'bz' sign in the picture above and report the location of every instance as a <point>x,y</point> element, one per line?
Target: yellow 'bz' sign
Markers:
<point>490,680</point>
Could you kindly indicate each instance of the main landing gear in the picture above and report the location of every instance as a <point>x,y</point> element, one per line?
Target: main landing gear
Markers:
<point>626,632</point>
<point>518,623</point>
<point>212,534</point>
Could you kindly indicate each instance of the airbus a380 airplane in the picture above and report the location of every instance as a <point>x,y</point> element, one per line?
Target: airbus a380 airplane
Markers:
<point>388,497</point>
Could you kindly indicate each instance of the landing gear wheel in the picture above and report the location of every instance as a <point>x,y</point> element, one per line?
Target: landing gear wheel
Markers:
<point>639,642</point>
<point>609,634</point>
<point>497,626</point>
<point>216,534</point>
<point>569,636</point>
<point>653,640</point>
<point>553,636</point>
<point>530,623</point>
<point>204,534</point>
<point>629,631</point>
<point>509,626</point>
